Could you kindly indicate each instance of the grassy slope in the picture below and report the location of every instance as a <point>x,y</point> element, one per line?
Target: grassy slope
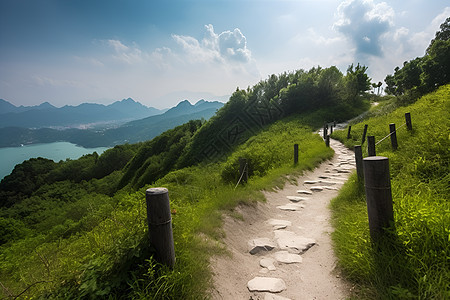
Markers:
<point>114,258</point>
<point>416,265</point>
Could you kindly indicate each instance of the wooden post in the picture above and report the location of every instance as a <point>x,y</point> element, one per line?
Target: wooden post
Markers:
<point>371,145</point>
<point>359,162</point>
<point>334,123</point>
<point>378,195</point>
<point>331,129</point>
<point>408,121</point>
<point>393,136</point>
<point>160,225</point>
<point>325,131</point>
<point>349,135</point>
<point>327,141</point>
<point>364,134</point>
<point>295,154</point>
<point>243,169</point>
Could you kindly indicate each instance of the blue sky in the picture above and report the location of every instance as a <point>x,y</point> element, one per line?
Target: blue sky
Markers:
<point>161,52</point>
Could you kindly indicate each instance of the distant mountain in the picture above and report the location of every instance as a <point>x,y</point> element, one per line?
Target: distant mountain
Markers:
<point>131,132</point>
<point>47,115</point>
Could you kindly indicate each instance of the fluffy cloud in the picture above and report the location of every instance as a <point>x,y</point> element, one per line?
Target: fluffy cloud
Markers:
<point>364,22</point>
<point>127,54</point>
<point>226,47</point>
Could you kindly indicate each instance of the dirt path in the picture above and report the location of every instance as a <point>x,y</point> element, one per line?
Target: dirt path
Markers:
<point>313,278</point>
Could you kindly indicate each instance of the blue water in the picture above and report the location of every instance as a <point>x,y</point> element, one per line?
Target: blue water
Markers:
<point>9,157</point>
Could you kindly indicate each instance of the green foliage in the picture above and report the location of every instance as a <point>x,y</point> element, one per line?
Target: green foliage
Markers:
<point>423,74</point>
<point>415,264</point>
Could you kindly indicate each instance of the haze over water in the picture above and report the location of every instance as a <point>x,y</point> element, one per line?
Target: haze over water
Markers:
<point>9,157</point>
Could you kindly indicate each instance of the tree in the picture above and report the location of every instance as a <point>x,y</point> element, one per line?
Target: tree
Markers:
<point>442,35</point>
<point>357,82</point>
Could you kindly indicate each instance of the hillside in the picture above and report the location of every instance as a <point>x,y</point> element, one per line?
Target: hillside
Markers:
<point>77,229</point>
<point>414,264</point>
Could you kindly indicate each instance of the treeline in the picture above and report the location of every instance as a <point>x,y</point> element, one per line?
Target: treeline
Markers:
<point>423,74</point>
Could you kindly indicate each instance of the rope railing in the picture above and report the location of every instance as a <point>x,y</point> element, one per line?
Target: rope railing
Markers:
<point>389,134</point>
<point>242,175</point>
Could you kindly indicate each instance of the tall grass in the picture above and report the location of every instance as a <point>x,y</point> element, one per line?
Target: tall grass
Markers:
<point>416,264</point>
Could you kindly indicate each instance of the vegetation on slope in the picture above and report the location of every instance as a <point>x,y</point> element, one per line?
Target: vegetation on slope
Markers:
<point>77,229</point>
<point>415,265</point>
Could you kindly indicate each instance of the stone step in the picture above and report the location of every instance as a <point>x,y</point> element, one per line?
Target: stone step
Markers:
<point>260,245</point>
<point>288,240</point>
<point>305,192</point>
<point>296,198</point>
<point>279,224</point>
<point>266,284</point>
<point>287,258</point>
<point>291,207</point>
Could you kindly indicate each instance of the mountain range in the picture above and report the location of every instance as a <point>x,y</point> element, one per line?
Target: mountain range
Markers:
<point>47,115</point>
<point>130,132</point>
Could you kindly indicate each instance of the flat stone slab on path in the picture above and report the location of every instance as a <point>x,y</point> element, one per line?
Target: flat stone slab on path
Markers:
<point>291,207</point>
<point>268,263</point>
<point>288,240</point>
<point>296,198</point>
<point>287,258</point>
<point>260,244</point>
<point>310,181</point>
<point>266,284</point>
<point>305,192</point>
<point>279,224</point>
<point>316,188</point>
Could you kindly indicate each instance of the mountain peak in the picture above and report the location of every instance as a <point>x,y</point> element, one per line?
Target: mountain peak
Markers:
<point>184,103</point>
<point>200,102</point>
<point>45,105</point>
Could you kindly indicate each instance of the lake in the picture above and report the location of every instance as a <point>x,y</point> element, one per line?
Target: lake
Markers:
<point>9,157</point>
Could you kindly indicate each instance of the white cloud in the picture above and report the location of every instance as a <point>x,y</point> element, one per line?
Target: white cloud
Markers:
<point>363,22</point>
<point>127,54</point>
<point>226,47</point>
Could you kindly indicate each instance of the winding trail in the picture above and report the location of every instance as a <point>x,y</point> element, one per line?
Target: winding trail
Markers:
<point>289,237</point>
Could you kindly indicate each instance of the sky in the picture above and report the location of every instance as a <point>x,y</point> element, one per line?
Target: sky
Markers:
<point>68,52</point>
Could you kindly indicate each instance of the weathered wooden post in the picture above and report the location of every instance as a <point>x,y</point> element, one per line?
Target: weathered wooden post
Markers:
<point>408,121</point>
<point>325,131</point>
<point>295,154</point>
<point>327,141</point>
<point>160,225</point>
<point>393,136</point>
<point>364,134</point>
<point>243,169</point>
<point>371,146</point>
<point>349,132</point>
<point>331,129</point>
<point>378,195</point>
<point>359,162</point>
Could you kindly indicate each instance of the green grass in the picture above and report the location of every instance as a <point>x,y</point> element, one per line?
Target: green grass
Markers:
<point>112,258</point>
<point>415,264</point>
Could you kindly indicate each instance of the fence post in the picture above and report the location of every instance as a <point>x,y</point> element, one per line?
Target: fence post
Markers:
<point>327,141</point>
<point>243,169</point>
<point>160,225</point>
<point>364,134</point>
<point>378,195</point>
<point>325,131</point>
<point>295,154</point>
<point>371,146</point>
<point>408,121</point>
<point>359,162</point>
<point>393,136</point>
<point>331,129</point>
<point>349,132</point>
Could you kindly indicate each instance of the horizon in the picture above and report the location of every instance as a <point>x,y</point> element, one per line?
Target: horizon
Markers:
<point>192,102</point>
<point>68,53</point>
